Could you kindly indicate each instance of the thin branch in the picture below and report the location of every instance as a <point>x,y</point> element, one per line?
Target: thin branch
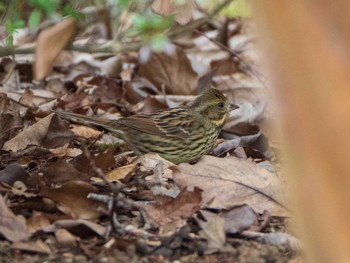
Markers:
<point>114,47</point>
<point>111,47</point>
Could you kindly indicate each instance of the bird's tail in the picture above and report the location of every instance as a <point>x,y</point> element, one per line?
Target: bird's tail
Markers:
<point>90,120</point>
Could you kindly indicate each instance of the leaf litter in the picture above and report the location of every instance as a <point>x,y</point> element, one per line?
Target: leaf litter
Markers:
<point>69,187</point>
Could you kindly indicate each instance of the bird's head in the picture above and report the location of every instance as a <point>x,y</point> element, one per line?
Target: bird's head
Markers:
<point>213,105</point>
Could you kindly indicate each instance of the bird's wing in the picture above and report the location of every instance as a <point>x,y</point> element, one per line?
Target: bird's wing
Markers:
<point>170,123</point>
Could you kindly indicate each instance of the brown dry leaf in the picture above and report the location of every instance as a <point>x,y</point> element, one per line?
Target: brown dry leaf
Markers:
<point>65,151</point>
<point>37,221</point>
<point>174,212</point>
<point>112,66</point>
<point>50,43</point>
<point>181,9</point>
<point>61,172</point>
<point>119,173</point>
<point>149,161</point>
<point>174,72</point>
<point>12,227</point>
<point>86,132</point>
<point>213,231</point>
<point>65,238</point>
<point>152,105</point>
<point>225,67</point>
<point>27,98</point>
<point>83,163</point>
<point>37,247</point>
<point>229,181</point>
<point>58,133</point>
<point>72,199</point>
<point>33,135</point>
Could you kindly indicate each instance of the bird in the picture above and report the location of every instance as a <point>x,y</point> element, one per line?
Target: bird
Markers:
<point>179,135</point>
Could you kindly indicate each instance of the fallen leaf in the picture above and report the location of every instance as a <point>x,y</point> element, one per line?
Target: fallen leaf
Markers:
<point>37,247</point>
<point>119,173</point>
<point>65,151</point>
<point>50,43</point>
<point>173,72</point>
<point>86,132</point>
<point>58,133</point>
<point>171,213</point>
<point>27,98</point>
<point>33,135</point>
<point>152,105</point>
<point>226,66</point>
<point>61,172</point>
<point>37,221</point>
<point>65,238</point>
<point>12,227</point>
<point>83,162</point>
<point>213,231</point>
<point>229,182</point>
<point>181,9</point>
<point>72,199</point>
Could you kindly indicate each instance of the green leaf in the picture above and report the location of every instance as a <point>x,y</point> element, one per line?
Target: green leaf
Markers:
<point>47,6</point>
<point>238,8</point>
<point>152,23</point>
<point>158,42</point>
<point>34,19</point>
<point>9,40</point>
<point>123,3</point>
<point>69,10</point>
<point>2,7</point>
<point>12,26</point>
<point>18,23</point>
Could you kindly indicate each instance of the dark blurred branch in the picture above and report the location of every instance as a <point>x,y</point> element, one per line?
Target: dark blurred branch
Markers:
<point>117,47</point>
<point>110,48</point>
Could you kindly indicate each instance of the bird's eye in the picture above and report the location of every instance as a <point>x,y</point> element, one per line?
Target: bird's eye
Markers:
<point>221,105</point>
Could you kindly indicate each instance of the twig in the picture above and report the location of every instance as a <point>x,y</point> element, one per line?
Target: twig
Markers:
<point>111,47</point>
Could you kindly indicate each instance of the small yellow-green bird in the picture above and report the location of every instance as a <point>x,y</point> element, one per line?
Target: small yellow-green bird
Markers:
<point>181,134</point>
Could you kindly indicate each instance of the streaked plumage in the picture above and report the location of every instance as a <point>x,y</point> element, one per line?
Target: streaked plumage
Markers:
<point>179,135</point>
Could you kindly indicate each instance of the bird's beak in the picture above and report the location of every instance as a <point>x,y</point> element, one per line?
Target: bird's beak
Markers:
<point>232,107</point>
